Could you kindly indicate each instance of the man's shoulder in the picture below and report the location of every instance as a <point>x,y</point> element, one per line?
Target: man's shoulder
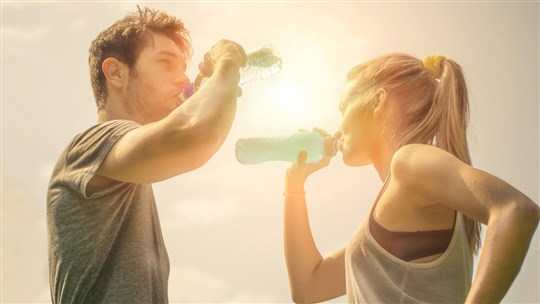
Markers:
<point>103,128</point>
<point>86,150</point>
<point>97,135</point>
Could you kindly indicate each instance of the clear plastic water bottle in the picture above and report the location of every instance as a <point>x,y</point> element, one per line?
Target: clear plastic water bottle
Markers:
<point>261,63</point>
<point>255,150</point>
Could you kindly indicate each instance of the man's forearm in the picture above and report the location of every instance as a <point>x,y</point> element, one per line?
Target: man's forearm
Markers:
<point>209,113</point>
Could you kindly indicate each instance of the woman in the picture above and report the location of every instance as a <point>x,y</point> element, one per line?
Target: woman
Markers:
<point>408,118</point>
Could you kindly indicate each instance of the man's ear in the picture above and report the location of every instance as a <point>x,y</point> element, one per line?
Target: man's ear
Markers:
<point>114,71</point>
<point>380,101</point>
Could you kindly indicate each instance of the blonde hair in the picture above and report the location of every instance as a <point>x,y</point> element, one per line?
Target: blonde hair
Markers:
<point>433,102</point>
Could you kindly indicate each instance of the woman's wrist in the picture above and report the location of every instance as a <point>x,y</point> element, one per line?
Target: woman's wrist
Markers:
<point>294,188</point>
<point>294,194</point>
<point>294,185</point>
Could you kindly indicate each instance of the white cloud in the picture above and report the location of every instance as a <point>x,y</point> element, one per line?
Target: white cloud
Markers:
<point>248,297</point>
<point>15,6</point>
<point>78,23</point>
<point>192,285</point>
<point>12,33</point>
<point>201,211</point>
<point>16,40</point>
<point>45,171</point>
<point>188,284</point>
<point>24,246</point>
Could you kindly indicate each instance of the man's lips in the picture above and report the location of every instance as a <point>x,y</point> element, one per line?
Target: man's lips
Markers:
<point>179,99</point>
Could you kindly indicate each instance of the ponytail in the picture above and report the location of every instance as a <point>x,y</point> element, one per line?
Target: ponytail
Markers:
<point>451,105</point>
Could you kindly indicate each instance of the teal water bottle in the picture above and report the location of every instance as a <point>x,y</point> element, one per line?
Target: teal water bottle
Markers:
<point>255,150</point>
<point>261,63</point>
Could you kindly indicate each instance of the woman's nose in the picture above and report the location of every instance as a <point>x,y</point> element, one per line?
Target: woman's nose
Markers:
<point>338,134</point>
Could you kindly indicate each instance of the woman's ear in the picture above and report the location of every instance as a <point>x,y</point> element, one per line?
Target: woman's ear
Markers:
<point>380,101</point>
<point>113,70</point>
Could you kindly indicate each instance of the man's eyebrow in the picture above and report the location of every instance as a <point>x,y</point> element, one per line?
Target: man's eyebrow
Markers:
<point>173,54</point>
<point>169,52</point>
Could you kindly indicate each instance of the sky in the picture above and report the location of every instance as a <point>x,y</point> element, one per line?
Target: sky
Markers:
<point>222,223</point>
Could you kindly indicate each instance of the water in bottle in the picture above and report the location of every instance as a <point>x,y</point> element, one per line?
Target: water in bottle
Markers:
<point>256,150</point>
<point>261,63</point>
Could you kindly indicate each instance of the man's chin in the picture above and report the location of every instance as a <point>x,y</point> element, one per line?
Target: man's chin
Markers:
<point>179,100</point>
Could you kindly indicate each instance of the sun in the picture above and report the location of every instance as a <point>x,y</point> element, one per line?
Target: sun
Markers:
<point>291,99</point>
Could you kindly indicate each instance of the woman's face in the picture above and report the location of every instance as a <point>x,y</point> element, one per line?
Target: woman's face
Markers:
<point>358,130</point>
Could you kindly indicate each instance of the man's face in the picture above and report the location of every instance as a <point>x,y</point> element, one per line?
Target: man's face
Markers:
<point>157,79</point>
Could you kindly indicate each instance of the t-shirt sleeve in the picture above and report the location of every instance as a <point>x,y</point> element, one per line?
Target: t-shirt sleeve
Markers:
<point>89,149</point>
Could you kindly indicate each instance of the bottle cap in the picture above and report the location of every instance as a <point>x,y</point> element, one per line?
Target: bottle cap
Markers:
<point>188,91</point>
<point>330,146</point>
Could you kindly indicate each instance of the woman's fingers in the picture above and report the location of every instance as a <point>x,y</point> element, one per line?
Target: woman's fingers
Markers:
<point>321,131</point>
<point>302,158</point>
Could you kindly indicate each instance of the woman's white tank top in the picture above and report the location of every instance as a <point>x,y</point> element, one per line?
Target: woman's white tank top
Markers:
<point>373,275</point>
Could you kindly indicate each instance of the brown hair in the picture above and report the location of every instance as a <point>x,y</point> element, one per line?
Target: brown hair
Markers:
<point>434,108</point>
<point>125,39</point>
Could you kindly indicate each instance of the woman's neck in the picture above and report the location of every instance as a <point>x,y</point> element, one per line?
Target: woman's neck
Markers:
<point>381,157</point>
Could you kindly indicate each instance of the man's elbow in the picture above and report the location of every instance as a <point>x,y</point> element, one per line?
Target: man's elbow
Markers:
<point>196,143</point>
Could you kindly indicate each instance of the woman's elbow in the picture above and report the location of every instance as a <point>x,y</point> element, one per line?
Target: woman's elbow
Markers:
<point>300,297</point>
<point>301,293</point>
<point>526,212</point>
<point>531,214</point>
<point>307,298</point>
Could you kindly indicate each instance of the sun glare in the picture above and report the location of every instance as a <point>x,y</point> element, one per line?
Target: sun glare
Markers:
<point>301,96</point>
<point>291,99</point>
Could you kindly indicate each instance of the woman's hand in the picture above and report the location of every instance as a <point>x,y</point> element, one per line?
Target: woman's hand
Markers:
<point>312,278</point>
<point>298,172</point>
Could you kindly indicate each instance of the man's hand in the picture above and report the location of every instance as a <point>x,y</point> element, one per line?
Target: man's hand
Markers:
<point>224,51</point>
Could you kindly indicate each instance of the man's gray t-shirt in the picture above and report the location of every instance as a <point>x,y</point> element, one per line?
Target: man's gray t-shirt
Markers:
<point>105,245</point>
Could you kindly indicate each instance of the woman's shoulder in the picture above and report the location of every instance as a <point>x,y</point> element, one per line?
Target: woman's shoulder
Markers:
<point>421,150</point>
<point>420,163</point>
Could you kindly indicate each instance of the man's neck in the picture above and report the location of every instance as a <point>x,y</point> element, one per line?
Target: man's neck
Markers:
<point>103,116</point>
<point>114,109</point>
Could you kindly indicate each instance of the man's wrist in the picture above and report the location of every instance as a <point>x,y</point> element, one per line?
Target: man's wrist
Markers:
<point>227,65</point>
<point>228,70</point>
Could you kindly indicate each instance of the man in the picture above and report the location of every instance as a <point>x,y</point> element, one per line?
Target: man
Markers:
<point>105,241</point>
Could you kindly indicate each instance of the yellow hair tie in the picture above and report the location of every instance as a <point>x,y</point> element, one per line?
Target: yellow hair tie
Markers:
<point>433,65</point>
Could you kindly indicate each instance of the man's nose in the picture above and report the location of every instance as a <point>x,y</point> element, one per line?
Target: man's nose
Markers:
<point>182,81</point>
